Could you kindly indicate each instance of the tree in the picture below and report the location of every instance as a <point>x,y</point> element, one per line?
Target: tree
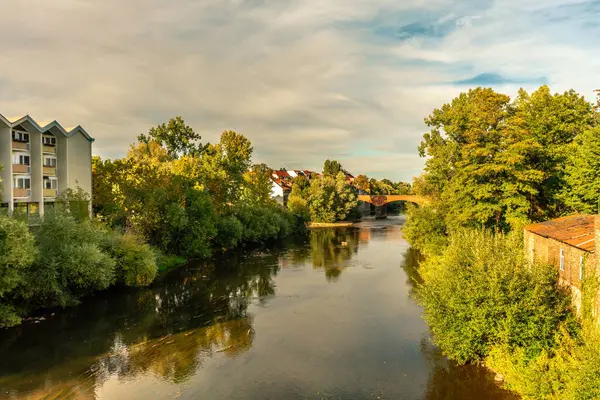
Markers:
<point>362,183</point>
<point>330,199</point>
<point>257,184</point>
<point>223,167</point>
<point>582,191</point>
<point>332,168</point>
<point>176,136</point>
<point>496,163</point>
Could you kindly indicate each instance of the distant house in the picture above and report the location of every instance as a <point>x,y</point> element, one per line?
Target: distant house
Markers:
<point>282,183</point>
<point>281,186</point>
<point>568,243</point>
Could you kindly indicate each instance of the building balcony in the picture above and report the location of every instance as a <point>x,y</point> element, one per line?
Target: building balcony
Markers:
<point>21,169</point>
<point>49,149</point>
<point>19,145</point>
<point>50,193</point>
<point>49,171</point>
<point>21,193</point>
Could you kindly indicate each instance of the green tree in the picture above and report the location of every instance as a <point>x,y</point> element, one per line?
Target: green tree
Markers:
<point>330,199</point>
<point>176,136</point>
<point>582,191</point>
<point>331,168</point>
<point>257,184</point>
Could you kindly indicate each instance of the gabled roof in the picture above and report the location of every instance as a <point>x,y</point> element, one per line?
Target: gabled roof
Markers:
<point>574,230</point>
<point>44,127</point>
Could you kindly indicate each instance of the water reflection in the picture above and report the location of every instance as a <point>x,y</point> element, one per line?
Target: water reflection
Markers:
<point>254,327</point>
<point>332,250</point>
<point>165,330</point>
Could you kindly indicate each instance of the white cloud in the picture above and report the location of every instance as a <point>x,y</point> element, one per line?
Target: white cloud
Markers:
<point>305,80</point>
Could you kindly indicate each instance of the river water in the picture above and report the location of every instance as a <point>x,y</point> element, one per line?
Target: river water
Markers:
<point>328,316</point>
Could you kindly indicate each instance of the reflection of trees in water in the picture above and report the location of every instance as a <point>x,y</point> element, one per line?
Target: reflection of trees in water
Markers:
<point>410,265</point>
<point>165,330</point>
<point>448,381</point>
<point>332,249</point>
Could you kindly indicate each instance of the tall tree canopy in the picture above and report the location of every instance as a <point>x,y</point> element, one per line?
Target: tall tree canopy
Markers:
<point>496,163</point>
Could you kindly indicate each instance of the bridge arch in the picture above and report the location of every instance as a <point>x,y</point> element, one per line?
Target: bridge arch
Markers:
<point>380,200</point>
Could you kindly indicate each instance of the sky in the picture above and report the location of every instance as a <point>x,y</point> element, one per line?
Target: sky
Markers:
<point>304,80</point>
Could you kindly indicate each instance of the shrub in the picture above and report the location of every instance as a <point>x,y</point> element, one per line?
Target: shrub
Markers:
<point>135,260</point>
<point>17,253</point>
<point>481,293</point>
<point>425,230</point>
<point>264,222</point>
<point>71,262</point>
<point>229,232</point>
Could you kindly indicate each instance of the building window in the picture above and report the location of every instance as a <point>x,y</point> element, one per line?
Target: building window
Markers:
<point>22,183</point>
<point>581,268</point>
<point>21,159</point>
<point>562,260</point>
<point>49,162</point>
<point>50,184</point>
<point>20,136</point>
<point>49,140</point>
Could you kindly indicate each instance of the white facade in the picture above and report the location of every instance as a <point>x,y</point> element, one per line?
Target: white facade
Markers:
<point>41,160</point>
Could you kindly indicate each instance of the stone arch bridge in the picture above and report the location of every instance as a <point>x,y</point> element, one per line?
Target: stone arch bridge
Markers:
<point>380,200</point>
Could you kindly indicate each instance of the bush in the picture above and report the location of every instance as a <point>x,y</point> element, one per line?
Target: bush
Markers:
<point>17,253</point>
<point>481,293</point>
<point>71,261</point>
<point>135,260</point>
<point>425,230</point>
<point>229,232</point>
<point>189,229</point>
<point>264,222</point>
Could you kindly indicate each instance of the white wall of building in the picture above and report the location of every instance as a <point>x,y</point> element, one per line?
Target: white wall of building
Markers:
<point>79,159</point>
<point>6,162</point>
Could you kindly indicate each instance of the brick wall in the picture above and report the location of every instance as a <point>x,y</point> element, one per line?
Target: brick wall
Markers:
<point>547,250</point>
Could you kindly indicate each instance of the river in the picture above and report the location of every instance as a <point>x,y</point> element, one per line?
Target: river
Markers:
<point>328,316</point>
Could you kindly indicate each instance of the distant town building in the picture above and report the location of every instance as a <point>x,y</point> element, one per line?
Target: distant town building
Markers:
<point>40,160</point>
<point>568,243</point>
<point>282,182</point>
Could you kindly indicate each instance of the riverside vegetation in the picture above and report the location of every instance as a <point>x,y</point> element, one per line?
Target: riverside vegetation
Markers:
<point>493,166</point>
<point>169,200</point>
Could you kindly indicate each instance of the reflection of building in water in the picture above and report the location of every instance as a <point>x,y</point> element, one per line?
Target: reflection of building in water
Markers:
<point>364,236</point>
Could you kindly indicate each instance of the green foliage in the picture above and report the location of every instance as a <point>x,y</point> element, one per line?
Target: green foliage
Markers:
<point>332,168</point>
<point>71,261</point>
<point>176,136</point>
<point>425,230</point>
<point>582,191</point>
<point>499,164</point>
<point>135,259</point>
<point>189,228</point>
<point>17,253</point>
<point>330,199</point>
<point>262,223</point>
<point>229,232</point>
<point>481,293</point>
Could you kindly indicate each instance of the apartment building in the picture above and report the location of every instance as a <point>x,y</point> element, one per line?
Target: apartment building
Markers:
<point>40,160</point>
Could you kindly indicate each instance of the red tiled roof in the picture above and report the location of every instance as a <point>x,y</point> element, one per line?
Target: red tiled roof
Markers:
<point>575,230</point>
<point>281,174</point>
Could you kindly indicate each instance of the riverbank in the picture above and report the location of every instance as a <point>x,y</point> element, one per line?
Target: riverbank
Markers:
<point>215,329</point>
<point>486,304</point>
<point>341,224</point>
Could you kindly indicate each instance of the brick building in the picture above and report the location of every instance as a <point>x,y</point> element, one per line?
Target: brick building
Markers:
<point>568,243</point>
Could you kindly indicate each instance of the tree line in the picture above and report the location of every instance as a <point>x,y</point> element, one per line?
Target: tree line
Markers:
<point>495,164</point>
